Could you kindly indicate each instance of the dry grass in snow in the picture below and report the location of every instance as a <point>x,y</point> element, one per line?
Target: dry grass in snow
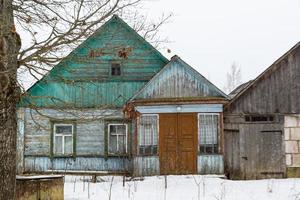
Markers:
<point>186,187</point>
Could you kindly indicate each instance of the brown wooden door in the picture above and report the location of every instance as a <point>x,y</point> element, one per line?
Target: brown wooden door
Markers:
<point>178,143</point>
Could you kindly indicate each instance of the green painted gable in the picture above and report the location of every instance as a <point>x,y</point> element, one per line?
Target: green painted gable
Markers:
<point>83,79</point>
<point>178,80</point>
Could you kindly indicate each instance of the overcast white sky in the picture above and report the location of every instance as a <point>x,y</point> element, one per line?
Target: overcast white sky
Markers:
<point>212,34</point>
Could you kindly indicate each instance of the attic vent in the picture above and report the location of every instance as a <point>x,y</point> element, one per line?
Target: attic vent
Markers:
<point>115,69</point>
<point>259,118</point>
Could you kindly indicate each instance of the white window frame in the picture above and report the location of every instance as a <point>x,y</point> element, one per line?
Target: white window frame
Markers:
<point>63,138</point>
<point>139,122</point>
<point>126,137</point>
<point>218,133</point>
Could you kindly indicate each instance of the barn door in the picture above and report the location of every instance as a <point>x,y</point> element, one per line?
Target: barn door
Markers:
<point>178,143</point>
<point>262,149</point>
<point>270,157</point>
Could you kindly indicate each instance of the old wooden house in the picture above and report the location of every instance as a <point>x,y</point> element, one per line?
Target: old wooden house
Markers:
<point>116,105</point>
<point>262,123</point>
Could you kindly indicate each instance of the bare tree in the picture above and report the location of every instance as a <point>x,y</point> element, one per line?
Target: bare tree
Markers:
<point>9,47</point>
<point>234,78</point>
<point>52,29</point>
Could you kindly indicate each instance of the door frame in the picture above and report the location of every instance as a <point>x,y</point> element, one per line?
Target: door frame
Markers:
<point>195,138</point>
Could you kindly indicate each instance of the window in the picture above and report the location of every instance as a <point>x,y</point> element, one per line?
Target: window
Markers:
<point>63,139</point>
<point>259,118</point>
<point>115,69</point>
<point>148,135</point>
<point>208,132</point>
<point>117,140</point>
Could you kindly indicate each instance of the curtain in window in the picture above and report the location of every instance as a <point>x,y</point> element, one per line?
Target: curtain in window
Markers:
<point>148,134</point>
<point>208,133</point>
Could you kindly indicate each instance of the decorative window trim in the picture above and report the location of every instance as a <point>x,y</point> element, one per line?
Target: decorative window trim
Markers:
<point>54,135</point>
<point>139,132</point>
<point>108,136</point>
<point>218,133</point>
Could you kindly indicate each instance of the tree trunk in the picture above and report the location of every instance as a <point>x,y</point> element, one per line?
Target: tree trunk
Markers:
<point>9,95</point>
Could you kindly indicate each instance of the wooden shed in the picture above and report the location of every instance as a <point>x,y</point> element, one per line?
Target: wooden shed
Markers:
<point>262,123</point>
<point>179,123</point>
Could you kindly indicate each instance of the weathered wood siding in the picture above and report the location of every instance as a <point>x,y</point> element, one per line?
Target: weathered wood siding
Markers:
<point>146,166</point>
<point>178,80</point>
<point>86,164</point>
<point>90,141</point>
<point>40,188</point>
<point>260,150</point>
<point>20,140</point>
<point>261,147</point>
<point>277,91</point>
<point>210,164</point>
<point>83,79</point>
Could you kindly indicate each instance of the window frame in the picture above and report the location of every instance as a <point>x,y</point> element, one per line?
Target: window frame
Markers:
<point>218,134</point>
<point>108,138</point>
<point>138,138</point>
<point>54,135</point>
<point>111,69</point>
<point>254,118</point>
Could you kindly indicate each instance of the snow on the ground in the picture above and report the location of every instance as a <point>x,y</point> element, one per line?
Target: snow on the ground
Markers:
<point>186,187</point>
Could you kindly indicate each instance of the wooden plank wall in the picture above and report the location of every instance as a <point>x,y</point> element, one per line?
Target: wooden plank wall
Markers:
<point>20,140</point>
<point>36,188</point>
<point>277,92</point>
<point>82,80</point>
<point>210,164</point>
<point>90,141</point>
<point>146,166</point>
<point>82,164</point>
<point>178,80</point>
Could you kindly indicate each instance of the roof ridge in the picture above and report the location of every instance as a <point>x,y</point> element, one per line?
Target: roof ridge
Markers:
<point>254,81</point>
<point>174,59</point>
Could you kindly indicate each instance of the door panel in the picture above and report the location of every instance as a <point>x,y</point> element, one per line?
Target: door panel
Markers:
<point>187,141</point>
<point>178,143</point>
<point>167,142</point>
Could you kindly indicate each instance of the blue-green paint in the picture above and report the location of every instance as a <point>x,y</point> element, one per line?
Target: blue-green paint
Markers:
<point>82,81</point>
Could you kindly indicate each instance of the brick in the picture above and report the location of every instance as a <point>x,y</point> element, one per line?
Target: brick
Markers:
<point>286,133</point>
<point>288,159</point>
<point>291,147</point>
<point>296,160</point>
<point>293,172</point>
<point>290,121</point>
<point>295,133</point>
